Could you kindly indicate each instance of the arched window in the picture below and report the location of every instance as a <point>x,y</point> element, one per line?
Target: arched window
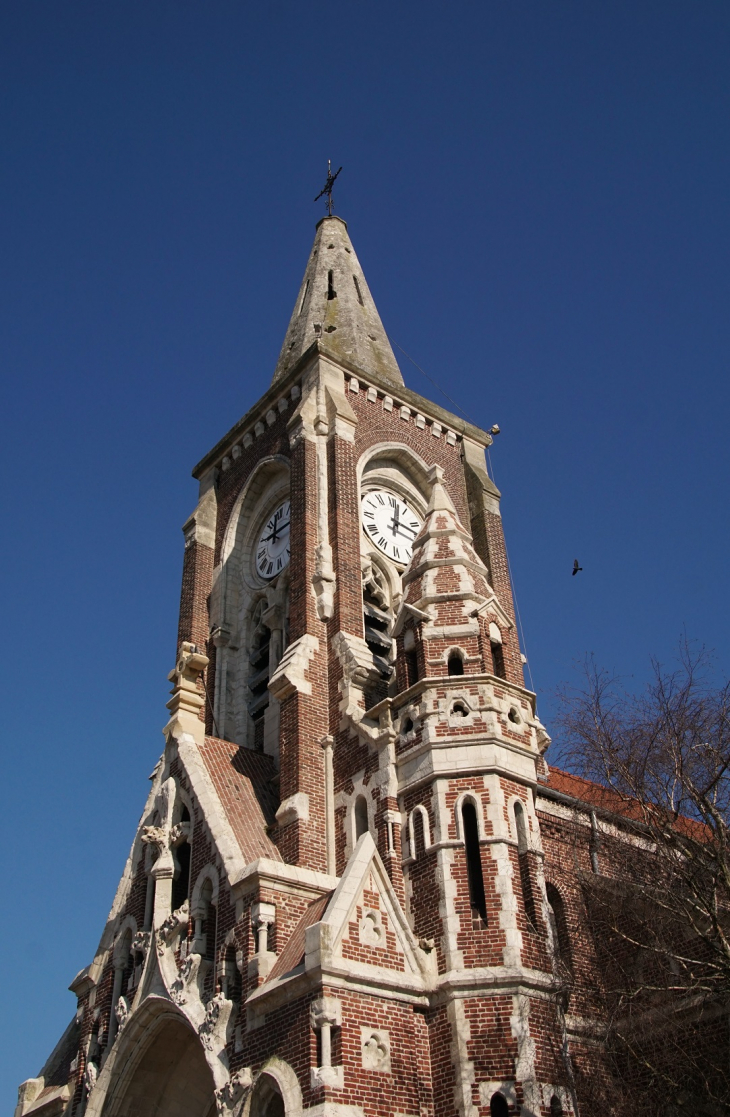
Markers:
<point>419,837</point>
<point>230,976</point>
<point>377,619</point>
<point>528,896</point>
<point>470,825</point>
<point>556,1106</point>
<point>362,824</point>
<point>456,664</point>
<point>498,1106</point>
<point>149,900</point>
<point>181,855</point>
<point>561,935</point>
<point>267,1100</point>
<point>205,912</point>
<point>209,920</point>
<point>181,880</point>
<point>495,646</point>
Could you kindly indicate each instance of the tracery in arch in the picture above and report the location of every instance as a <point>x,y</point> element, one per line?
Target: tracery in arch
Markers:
<point>397,469</point>
<point>249,616</point>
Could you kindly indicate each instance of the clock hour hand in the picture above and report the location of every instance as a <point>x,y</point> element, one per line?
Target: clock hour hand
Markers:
<point>275,532</point>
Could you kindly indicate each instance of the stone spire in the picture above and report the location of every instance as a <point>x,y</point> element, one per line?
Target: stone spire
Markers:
<point>445,571</point>
<point>335,303</point>
<point>446,585</point>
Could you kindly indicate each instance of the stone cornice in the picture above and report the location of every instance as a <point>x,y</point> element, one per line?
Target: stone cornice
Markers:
<point>281,387</point>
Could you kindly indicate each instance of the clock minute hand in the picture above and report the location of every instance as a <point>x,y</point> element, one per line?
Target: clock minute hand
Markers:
<point>275,532</point>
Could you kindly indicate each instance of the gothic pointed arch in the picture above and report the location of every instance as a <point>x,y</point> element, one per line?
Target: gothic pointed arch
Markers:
<point>275,1093</point>
<point>157,1068</point>
<point>242,601</point>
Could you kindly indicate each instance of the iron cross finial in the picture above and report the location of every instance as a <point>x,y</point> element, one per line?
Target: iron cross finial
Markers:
<point>327,188</point>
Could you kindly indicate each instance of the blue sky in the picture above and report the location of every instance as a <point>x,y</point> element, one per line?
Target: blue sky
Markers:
<point>538,196</point>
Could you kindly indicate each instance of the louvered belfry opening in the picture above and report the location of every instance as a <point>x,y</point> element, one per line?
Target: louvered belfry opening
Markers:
<point>258,680</point>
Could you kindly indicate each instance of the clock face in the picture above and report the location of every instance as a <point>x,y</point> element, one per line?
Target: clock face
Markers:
<point>272,549</point>
<point>390,524</point>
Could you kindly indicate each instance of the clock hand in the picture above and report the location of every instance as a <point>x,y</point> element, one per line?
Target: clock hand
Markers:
<point>275,532</point>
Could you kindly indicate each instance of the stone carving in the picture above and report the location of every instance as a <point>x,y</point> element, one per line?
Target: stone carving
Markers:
<point>212,1031</point>
<point>375,1050</point>
<point>179,833</point>
<point>154,835</point>
<point>228,1097</point>
<point>373,582</point>
<point>186,701</point>
<point>122,1013</point>
<point>372,932</point>
<point>174,920</point>
<point>289,676</point>
<point>141,942</point>
<point>91,1073</point>
<point>181,986</point>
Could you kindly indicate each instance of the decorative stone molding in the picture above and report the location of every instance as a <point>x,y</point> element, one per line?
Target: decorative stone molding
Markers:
<point>121,1011</point>
<point>332,1077</point>
<point>213,1030</point>
<point>289,676</point>
<point>186,981</point>
<point>263,916</point>
<point>186,702</point>
<point>371,930</point>
<point>91,1073</point>
<point>228,1097</point>
<point>324,582</point>
<point>294,809</point>
<point>325,1014</point>
<point>141,942</point>
<point>325,1010</point>
<point>375,1049</point>
<point>506,1088</point>
<point>167,930</point>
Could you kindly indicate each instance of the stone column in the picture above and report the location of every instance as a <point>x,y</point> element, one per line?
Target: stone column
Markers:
<point>326,1014</point>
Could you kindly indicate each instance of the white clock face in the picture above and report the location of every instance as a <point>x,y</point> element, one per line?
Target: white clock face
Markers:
<point>390,524</point>
<point>272,549</point>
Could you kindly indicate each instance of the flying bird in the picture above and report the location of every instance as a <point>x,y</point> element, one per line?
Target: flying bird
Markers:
<point>576,568</point>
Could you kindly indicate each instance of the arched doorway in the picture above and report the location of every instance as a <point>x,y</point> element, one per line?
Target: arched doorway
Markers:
<point>266,1100</point>
<point>170,1079</point>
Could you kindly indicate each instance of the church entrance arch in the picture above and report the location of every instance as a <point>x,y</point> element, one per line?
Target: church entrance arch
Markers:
<point>170,1078</point>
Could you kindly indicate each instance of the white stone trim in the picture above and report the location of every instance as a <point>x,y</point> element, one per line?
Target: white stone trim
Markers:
<point>418,809</point>
<point>209,872</point>
<point>474,797</point>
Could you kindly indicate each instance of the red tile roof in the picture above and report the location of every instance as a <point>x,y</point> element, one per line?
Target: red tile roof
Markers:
<point>606,799</point>
<point>242,779</point>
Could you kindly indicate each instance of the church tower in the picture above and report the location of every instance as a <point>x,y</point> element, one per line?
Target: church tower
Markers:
<point>334,904</point>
